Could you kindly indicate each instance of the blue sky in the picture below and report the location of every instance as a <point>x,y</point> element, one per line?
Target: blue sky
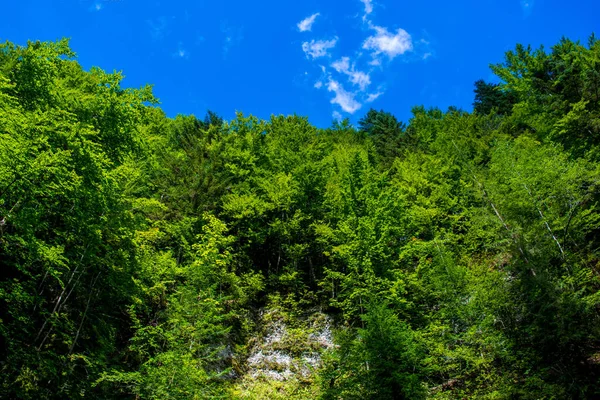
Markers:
<point>323,59</point>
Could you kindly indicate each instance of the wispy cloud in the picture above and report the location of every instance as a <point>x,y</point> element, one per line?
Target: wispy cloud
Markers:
<point>96,6</point>
<point>181,52</point>
<point>384,42</point>
<point>306,24</point>
<point>233,37</point>
<point>527,7</point>
<point>346,100</point>
<point>358,78</point>
<point>341,65</point>
<point>373,96</point>
<point>337,116</point>
<point>368,6</point>
<point>159,27</point>
<point>318,48</point>
<point>350,79</point>
<point>422,49</point>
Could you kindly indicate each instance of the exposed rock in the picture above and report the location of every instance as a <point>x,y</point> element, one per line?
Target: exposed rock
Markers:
<point>284,352</point>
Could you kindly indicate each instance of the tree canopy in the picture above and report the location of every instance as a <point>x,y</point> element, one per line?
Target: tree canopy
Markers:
<point>456,255</point>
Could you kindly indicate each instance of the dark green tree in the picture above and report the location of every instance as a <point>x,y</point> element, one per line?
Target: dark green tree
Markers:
<point>387,133</point>
<point>490,97</point>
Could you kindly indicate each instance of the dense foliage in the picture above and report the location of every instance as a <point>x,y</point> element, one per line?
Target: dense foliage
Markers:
<point>458,254</point>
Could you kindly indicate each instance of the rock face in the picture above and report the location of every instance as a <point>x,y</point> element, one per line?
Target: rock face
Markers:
<point>288,351</point>
<point>284,356</point>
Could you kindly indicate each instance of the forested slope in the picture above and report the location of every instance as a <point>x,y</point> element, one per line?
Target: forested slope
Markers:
<point>455,256</point>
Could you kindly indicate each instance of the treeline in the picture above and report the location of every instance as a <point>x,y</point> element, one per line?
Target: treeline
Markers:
<point>458,253</point>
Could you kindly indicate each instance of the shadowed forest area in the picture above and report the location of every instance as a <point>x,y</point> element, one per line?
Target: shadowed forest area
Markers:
<point>452,256</point>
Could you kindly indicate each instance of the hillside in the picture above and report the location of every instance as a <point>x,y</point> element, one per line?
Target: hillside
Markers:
<point>452,256</point>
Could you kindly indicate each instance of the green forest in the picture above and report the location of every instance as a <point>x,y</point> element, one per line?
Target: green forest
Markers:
<point>453,256</point>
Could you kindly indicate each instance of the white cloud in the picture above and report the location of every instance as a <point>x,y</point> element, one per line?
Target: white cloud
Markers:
<point>373,96</point>
<point>368,6</point>
<point>346,100</point>
<point>342,65</point>
<point>358,78</point>
<point>351,80</point>
<point>318,48</point>
<point>337,116</point>
<point>306,24</point>
<point>392,45</point>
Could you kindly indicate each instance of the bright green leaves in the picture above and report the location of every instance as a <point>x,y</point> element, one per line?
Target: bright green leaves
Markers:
<point>540,193</point>
<point>33,68</point>
<point>460,253</point>
<point>557,93</point>
<point>382,361</point>
<point>185,348</point>
<point>64,239</point>
<point>545,201</point>
<point>362,229</point>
